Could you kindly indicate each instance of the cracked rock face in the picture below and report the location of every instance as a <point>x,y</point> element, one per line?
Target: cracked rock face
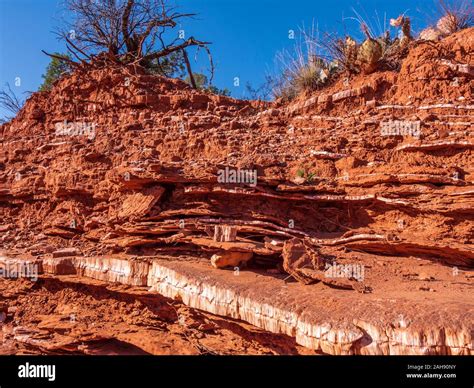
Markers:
<point>363,191</point>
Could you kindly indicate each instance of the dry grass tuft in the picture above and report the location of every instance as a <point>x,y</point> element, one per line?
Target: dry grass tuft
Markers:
<point>304,69</point>
<point>456,16</point>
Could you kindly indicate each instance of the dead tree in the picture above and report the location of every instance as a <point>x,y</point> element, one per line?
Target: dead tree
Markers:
<point>10,103</point>
<point>126,31</point>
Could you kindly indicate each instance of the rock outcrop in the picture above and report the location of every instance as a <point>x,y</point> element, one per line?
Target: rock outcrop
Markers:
<point>125,177</point>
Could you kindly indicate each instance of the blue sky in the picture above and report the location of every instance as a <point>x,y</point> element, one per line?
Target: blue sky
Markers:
<point>246,34</point>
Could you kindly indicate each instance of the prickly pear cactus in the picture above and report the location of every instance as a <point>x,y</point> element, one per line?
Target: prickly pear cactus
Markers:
<point>404,23</point>
<point>369,54</point>
<point>406,29</point>
<point>350,48</point>
<point>385,42</point>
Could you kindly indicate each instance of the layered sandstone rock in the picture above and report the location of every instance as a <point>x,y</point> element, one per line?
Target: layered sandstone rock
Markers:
<point>372,167</point>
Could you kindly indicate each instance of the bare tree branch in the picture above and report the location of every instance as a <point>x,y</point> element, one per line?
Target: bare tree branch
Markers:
<point>10,102</point>
<point>61,58</point>
<point>126,31</point>
<point>190,71</point>
<point>171,49</point>
<point>126,25</point>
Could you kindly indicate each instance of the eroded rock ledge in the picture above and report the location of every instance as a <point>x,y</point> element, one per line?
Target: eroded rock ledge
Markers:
<point>320,318</point>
